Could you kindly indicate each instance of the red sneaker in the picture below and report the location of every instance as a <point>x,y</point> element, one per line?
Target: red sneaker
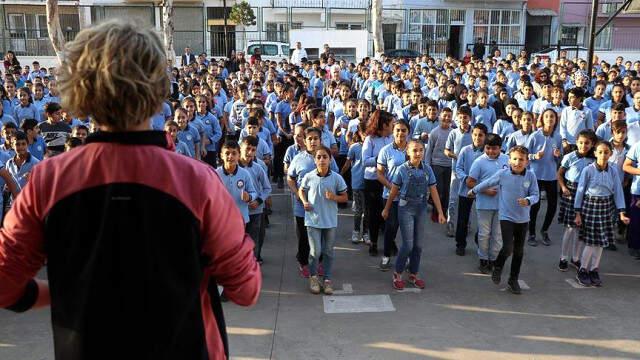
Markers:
<point>415,281</point>
<point>304,271</point>
<point>398,283</point>
<point>320,270</point>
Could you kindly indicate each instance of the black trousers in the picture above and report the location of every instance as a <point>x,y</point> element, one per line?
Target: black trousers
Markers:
<point>278,157</point>
<point>211,158</point>
<point>513,235</point>
<point>303,242</point>
<point>373,201</point>
<point>551,188</point>
<point>462,225</point>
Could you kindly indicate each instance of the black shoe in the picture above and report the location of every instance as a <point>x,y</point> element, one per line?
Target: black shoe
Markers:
<point>460,251</point>
<point>394,250</point>
<point>595,278</point>
<point>583,278</point>
<point>260,261</point>
<point>532,240</point>
<point>576,264</point>
<point>612,247</point>
<point>545,239</point>
<point>223,297</point>
<point>514,286</point>
<point>496,275</point>
<point>563,265</point>
<point>634,252</point>
<point>373,250</point>
<point>280,184</point>
<point>484,267</point>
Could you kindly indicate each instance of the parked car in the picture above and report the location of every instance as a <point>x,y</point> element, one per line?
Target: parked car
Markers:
<point>552,53</point>
<point>271,50</point>
<point>406,54</point>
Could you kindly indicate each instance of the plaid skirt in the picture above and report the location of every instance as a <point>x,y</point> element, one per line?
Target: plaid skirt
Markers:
<point>567,215</point>
<point>597,220</point>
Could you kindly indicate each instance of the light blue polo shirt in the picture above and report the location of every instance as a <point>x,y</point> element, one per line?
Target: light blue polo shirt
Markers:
<point>574,164</point>
<point>504,128</point>
<point>456,141</point>
<point>483,168</point>
<point>26,112</point>
<point>634,155</point>
<point>467,156</point>
<point>545,168</point>
<point>302,164</point>
<point>38,147</point>
<point>236,183</point>
<point>486,116</point>
<point>158,120</point>
<point>357,166</point>
<point>212,129</point>
<point>593,105</point>
<point>422,125</point>
<point>391,157</point>
<point>633,115</point>
<point>20,174</point>
<point>260,183</point>
<point>572,121</point>
<point>190,137</point>
<point>324,214</point>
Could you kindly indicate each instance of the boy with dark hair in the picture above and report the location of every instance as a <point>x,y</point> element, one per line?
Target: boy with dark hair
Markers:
<point>54,131</point>
<point>20,165</point>
<point>36,143</point>
<point>236,179</point>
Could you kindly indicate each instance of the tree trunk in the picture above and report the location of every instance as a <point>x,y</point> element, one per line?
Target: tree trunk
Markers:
<point>376,24</point>
<point>54,29</point>
<point>168,28</point>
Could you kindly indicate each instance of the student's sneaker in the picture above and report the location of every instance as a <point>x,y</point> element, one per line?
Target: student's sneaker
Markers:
<point>304,271</point>
<point>514,286</point>
<point>314,285</point>
<point>327,288</point>
<point>484,267</point>
<point>575,264</point>
<point>532,240</point>
<point>398,283</point>
<point>450,230</point>
<point>385,263</point>
<point>355,237</point>
<point>365,238</point>
<point>583,278</point>
<point>595,278</point>
<point>563,265</point>
<point>373,250</point>
<point>460,251</point>
<point>496,275</point>
<point>612,247</point>
<point>545,239</point>
<point>416,281</point>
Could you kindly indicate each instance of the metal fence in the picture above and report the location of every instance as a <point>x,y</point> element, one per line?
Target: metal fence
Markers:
<point>31,42</point>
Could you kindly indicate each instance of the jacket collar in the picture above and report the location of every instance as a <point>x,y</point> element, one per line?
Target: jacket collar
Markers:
<point>149,137</point>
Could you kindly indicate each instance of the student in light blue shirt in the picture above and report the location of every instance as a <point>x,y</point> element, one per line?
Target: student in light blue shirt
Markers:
<point>25,109</point>
<point>158,120</point>
<point>296,147</point>
<point>360,211</point>
<point>593,102</point>
<point>212,130</point>
<point>483,113</point>
<point>574,118</point>
<point>236,179</point>
<point>545,147</point>
<point>412,183</point>
<point>187,133</point>
<point>467,156</point>
<point>263,151</point>
<point>340,129</point>
<point>599,193</point>
<point>568,175</point>
<point>172,128</point>
<point>521,137</point>
<point>485,166</point>
<point>617,96</point>
<point>35,142</point>
<point>604,130</point>
<point>458,138</point>
<point>526,101</point>
<point>632,168</point>
<point>4,116</point>
<point>517,191</point>
<point>633,111</point>
<point>256,226</point>
<point>422,124</point>
<point>320,192</point>
<point>20,165</point>
<point>389,160</point>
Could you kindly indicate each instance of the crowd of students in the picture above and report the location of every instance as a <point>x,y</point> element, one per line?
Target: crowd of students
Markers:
<point>399,139</point>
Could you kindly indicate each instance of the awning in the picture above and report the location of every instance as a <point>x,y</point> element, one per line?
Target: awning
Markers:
<point>542,12</point>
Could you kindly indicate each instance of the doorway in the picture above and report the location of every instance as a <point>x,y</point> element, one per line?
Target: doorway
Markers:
<point>455,41</point>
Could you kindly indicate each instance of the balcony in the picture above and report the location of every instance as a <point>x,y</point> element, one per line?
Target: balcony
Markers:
<point>347,4</point>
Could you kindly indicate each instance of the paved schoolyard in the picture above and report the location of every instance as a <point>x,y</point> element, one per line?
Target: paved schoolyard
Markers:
<point>460,314</point>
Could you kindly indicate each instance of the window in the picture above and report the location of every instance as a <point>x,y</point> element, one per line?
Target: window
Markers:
<point>501,26</point>
<point>569,35</point>
<point>348,54</point>
<point>603,40</point>
<point>429,30</point>
<point>277,31</point>
<point>285,49</point>
<point>348,26</point>
<point>609,8</point>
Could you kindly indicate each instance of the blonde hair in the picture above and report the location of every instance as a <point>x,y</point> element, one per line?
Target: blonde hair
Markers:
<point>115,72</point>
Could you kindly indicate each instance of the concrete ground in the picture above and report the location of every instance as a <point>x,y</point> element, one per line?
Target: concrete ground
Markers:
<point>460,315</point>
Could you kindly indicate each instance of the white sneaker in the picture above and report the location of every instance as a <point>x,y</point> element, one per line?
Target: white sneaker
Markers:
<point>355,237</point>
<point>365,238</point>
<point>385,263</point>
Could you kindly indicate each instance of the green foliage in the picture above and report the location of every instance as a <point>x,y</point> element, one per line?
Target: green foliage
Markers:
<point>242,13</point>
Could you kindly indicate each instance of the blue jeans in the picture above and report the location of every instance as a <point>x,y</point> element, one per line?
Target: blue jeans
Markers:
<point>413,220</point>
<point>321,241</point>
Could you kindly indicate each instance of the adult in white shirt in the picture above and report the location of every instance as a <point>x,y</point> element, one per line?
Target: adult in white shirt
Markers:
<point>298,54</point>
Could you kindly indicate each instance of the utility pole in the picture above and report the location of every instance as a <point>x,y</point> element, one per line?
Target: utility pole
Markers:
<point>224,16</point>
<point>592,36</point>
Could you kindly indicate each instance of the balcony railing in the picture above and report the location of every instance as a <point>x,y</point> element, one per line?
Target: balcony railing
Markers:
<point>348,4</point>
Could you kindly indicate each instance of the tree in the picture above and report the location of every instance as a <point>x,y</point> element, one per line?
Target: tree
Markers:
<point>242,14</point>
<point>168,29</point>
<point>54,29</point>
<point>376,24</point>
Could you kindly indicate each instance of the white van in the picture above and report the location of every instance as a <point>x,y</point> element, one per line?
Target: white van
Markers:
<point>271,50</point>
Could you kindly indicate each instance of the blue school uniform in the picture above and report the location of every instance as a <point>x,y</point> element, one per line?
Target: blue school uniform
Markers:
<point>604,131</point>
<point>517,138</point>
<point>190,137</point>
<point>158,120</point>
<point>236,182</point>
<point>456,141</point>
<point>540,105</point>
<point>467,156</point>
<point>343,145</point>
<point>26,112</point>
<point>593,104</point>
<point>284,109</point>
<point>486,116</point>
<point>20,174</point>
<point>526,104</point>
<point>634,155</point>
<point>596,182</point>
<point>261,184</point>
<point>262,150</point>
<point>572,121</point>
<point>605,108</point>
<point>336,106</point>
<point>357,167</point>
<point>324,212</point>
<point>391,157</point>
<point>633,115</point>
<point>422,125</point>
<point>483,168</point>
<point>38,147</point>
<point>504,128</point>
<point>182,148</point>
<point>545,168</point>
<point>370,149</point>
<point>574,164</point>
<point>302,164</point>
<point>291,152</point>
<point>212,129</point>
<point>512,187</point>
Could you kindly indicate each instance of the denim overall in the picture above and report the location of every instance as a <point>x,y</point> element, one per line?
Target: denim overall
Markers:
<point>412,216</point>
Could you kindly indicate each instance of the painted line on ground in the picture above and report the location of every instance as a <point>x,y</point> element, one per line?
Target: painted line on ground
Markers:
<point>575,284</point>
<point>346,290</point>
<point>357,304</point>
